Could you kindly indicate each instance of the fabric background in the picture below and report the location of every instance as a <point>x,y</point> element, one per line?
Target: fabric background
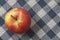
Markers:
<point>45,16</point>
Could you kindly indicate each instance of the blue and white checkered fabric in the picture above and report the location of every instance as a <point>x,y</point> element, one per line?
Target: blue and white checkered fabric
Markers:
<point>45,16</point>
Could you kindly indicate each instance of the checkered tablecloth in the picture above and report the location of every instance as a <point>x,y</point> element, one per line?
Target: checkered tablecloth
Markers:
<point>45,16</point>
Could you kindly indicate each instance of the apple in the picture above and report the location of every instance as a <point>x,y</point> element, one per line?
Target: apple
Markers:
<point>18,20</point>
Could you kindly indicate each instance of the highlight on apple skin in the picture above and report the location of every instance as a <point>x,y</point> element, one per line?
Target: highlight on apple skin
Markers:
<point>18,20</point>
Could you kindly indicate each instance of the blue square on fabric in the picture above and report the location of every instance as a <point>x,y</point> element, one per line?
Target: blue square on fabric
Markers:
<point>2,2</point>
<point>51,13</point>
<point>41,23</point>
<point>59,4</point>
<point>51,34</point>
<point>1,21</point>
<point>58,24</point>
<point>1,38</point>
<point>21,2</point>
<point>30,33</point>
<point>32,13</point>
<point>10,33</point>
<point>42,3</point>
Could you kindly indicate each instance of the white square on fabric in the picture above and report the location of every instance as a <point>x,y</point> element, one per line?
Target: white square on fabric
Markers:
<point>11,2</point>
<point>31,3</point>
<point>2,11</point>
<point>2,31</point>
<point>41,13</point>
<point>40,33</point>
<point>58,34</point>
<point>32,22</point>
<point>52,4</point>
<point>51,24</point>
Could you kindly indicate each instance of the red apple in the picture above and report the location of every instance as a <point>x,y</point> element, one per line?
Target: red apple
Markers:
<point>18,20</point>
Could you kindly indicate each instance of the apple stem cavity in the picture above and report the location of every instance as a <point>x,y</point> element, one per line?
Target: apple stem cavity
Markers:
<point>14,17</point>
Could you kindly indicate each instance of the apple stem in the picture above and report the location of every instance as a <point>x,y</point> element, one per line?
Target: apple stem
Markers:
<point>13,17</point>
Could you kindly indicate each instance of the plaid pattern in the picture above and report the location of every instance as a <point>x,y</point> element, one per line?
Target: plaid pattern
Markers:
<point>45,16</point>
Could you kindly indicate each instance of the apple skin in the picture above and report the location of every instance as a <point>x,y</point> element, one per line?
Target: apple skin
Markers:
<point>18,20</point>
